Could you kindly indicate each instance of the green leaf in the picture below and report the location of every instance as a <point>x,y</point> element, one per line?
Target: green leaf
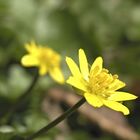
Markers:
<point>6,132</point>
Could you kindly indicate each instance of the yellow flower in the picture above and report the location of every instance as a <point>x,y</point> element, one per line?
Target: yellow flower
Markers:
<point>45,59</point>
<point>98,85</point>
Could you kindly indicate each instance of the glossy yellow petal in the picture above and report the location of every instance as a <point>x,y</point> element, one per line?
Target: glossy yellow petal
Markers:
<point>43,69</point>
<point>97,65</point>
<point>117,84</point>
<point>121,96</point>
<point>93,100</point>
<point>73,67</point>
<point>83,64</point>
<point>57,75</point>
<point>31,48</point>
<point>116,106</point>
<point>29,60</point>
<point>77,83</point>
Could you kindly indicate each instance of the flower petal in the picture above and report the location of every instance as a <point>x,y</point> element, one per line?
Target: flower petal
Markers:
<point>57,75</point>
<point>73,67</point>
<point>31,48</point>
<point>116,106</point>
<point>29,60</point>
<point>117,84</point>
<point>121,96</point>
<point>93,100</point>
<point>43,69</point>
<point>97,65</point>
<point>77,83</point>
<point>83,64</point>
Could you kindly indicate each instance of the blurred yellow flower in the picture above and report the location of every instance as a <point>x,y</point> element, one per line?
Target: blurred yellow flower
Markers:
<point>47,60</point>
<point>98,85</point>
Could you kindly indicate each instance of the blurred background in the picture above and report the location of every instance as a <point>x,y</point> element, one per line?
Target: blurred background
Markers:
<point>109,28</point>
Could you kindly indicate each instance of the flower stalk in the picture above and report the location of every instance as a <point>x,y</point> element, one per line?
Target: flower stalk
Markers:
<point>57,120</point>
<point>21,100</point>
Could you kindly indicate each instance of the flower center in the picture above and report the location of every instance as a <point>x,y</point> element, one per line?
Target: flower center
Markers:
<point>99,83</point>
<point>48,57</point>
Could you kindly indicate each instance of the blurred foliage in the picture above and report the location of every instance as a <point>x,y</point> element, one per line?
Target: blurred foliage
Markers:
<point>109,28</point>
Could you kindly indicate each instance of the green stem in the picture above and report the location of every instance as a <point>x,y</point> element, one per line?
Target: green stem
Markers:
<point>21,100</point>
<point>57,120</point>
